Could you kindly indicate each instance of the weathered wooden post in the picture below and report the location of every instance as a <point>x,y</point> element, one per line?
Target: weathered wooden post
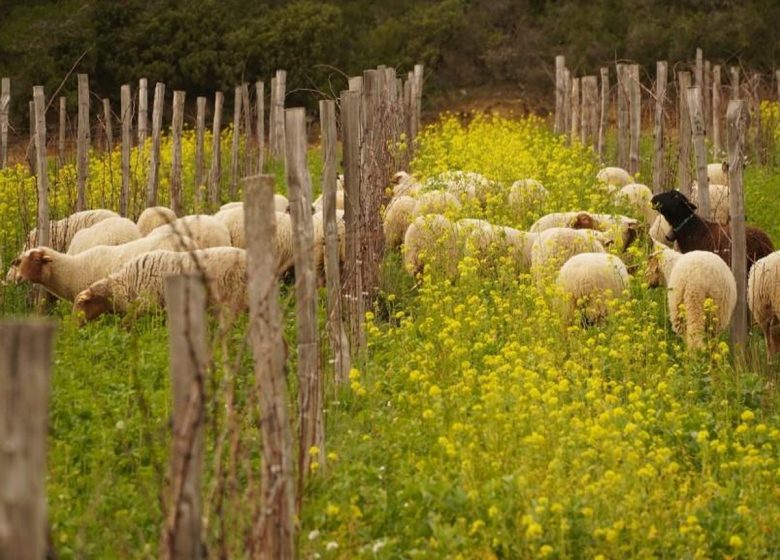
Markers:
<point>274,530</point>
<point>62,131</point>
<point>575,109</point>
<point>696,115</point>
<point>623,139</point>
<point>5,104</point>
<point>277,140</point>
<point>107,127</point>
<point>127,116</point>
<point>707,99</point>
<point>246,161</point>
<point>698,70</point>
<point>755,102</point>
<point>658,126</point>
<point>260,98</point>
<point>200,132</point>
<point>143,112</point>
<point>309,375</point>
<point>82,139</point>
<point>177,123</point>
<point>560,64</point>
<point>215,174</point>
<point>41,172</point>
<point>635,104</point>
<point>185,299</point>
<point>350,126</point>
<point>567,101</point>
<point>338,336</point>
<point>604,117</point>
<point>26,352</point>
<point>593,102</point>
<point>734,72</point>
<point>154,158</point>
<point>717,147</point>
<point>31,143</point>
<point>234,146</point>
<point>738,118</point>
<point>684,128</point>
<point>417,91</point>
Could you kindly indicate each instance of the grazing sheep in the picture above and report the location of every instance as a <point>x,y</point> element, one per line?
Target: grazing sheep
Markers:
<point>718,173</point>
<point>281,204</point>
<point>479,238</point>
<point>589,281</point>
<point>660,231</point>
<point>552,247</point>
<point>318,224</point>
<point>436,202</point>
<point>398,215</point>
<point>719,202</point>
<point>233,219</point>
<point>142,280</point>
<point>621,230</point>
<point>465,185</point>
<point>431,239</point>
<point>637,197</point>
<point>404,185</point>
<point>614,177</point>
<point>526,195</point>
<point>554,220</point>
<point>154,217</point>
<point>763,297</point>
<point>695,277</point>
<point>66,275</point>
<point>206,231</point>
<point>113,231</point>
<point>319,203</point>
<point>692,233</point>
<point>660,265</point>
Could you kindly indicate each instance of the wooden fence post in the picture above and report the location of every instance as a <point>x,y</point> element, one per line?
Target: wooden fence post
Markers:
<point>560,64</point>
<point>417,91</point>
<point>5,104</point>
<point>623,138</point>
<point>309,375</point>
<point>26,352</point>
<point>154,158</point>
<point>277,140</point>
<point>274,529</point>
<point>246,161</point>
<point>31,143</point>
<point>200,131</point>
<point>127,116</point>
<point>567,102</point>
<point>215,174</point>
<point>575,109</point>
<point>63,120</point>
<point>83,142</point>
<point>635,104</point>
<point>593,102</point>
<point>684,131</point>
<point>338,336</point>
<point>604,117</point>
<point>698,70</point>
<point>42,168</point>
<point>658,126</point>
<point>717,147</point>
<point>107,127</point>
<point>260,99</point>
<point>696,115</point>
<point>755,101</point>
<point>707,99</point>
<point>738,118</point>
<point>143,112</point>
<point>185,300</point>
<point>734,72</point>
<point>234,146</point>
<point>350,127</point>
<point>177,123</point>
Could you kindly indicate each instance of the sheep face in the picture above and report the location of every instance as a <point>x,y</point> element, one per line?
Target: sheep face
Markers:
<point>583,220</point>
<point>654,275</point>
<point>674,206</point>
<point>91,303</point>
<point>32,266</point>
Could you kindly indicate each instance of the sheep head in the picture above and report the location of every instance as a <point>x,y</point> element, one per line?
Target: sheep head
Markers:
<point>654,274</point>
<point>93,302</point>
<point>33,265</point>
<point>674,206</point>
<point>584,220</point>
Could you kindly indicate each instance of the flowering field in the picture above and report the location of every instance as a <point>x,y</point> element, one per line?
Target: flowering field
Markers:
<point>477,425</point>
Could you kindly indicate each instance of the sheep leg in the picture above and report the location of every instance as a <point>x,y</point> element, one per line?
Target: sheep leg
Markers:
<point>695,323</point>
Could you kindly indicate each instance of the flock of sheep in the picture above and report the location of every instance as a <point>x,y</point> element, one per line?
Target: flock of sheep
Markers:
<point>105,263</point>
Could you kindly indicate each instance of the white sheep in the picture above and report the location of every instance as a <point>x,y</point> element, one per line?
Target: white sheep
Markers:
<point>718,173</point>
<point>319,203</point>
<point>205,230</point>
<point>66,275</point>
<point>142,281</point>
<point>719,202</point>
<point>696,277</point>
<point>465,185</point>
<point>763,297</point>
<point>318,226</point>
<point>281,204</point>
<point>233,219</point>
<point>431,239</point>
<point>553,247</point>
<point>113,231</point>
<point>397,217</point>
<point>479,237</point>
<point>620,230</point>
<point>660,265</point>
<point>614,177</point>
<point>154,217</point>
<point>404,185</point>
<point>436,202</point>
<point>636,196</point>
<point>553,220</point>
<point>526,195</point>
<point>589,281</point>
<point>660,230</point>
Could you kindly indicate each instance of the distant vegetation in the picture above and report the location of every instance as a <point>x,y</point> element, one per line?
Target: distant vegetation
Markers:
<point>202,45</point>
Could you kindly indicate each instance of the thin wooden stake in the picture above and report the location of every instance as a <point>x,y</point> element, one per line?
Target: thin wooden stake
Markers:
<point>696,115</point>
<point>107,127</point>
<point>604,116</point>
<point>277,140</point>
<point>31,143</point>
<point>200,132</point>
<point>635,105</point>
<point>143,111</point>
<point>127,123</point>
<point>154,158</point>
<point>274,529</point>
<point>658,127</point>
<point>575,109</point>
<point>62,132</point>
<point>738,119</point>
<point>246,161</point>
<point>234,173</point>
<point>560,64</point>
<point>707,99</point>
<point>177,123</point>
<point>567,101</point>
<point>624,137</point>
<point>260,98</point>
<point>215,174</point>
<point>734,73</point>
<point>717,146</point>
<point>350,127</point>
<point>684,128</point>
<point>5,104</point>
<point>82,161</point>
<point>42,171</point>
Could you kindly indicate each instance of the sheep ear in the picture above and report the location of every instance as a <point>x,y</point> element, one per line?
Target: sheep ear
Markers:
<point>725,167</point>
<point>46,258</point>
